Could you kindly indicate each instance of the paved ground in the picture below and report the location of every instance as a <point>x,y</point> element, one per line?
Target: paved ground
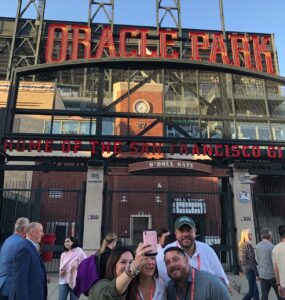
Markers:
<point>53,288</point>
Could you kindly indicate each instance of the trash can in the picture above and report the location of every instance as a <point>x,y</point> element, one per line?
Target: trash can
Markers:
<point>48,239</point>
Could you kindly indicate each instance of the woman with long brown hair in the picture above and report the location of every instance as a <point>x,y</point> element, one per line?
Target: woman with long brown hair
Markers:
<point>122,268</point>
<point>147,285</point>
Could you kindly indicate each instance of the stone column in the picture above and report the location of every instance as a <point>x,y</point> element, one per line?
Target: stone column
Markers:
<point>243,205</point>
<point>93,209</point>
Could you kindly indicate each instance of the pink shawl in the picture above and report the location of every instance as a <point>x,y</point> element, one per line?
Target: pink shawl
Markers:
<point>69,262</point>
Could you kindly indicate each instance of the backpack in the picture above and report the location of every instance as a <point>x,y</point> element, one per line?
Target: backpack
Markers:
<point>88,273</point>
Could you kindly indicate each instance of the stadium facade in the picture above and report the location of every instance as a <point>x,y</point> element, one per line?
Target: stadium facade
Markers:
<point>125,128</point>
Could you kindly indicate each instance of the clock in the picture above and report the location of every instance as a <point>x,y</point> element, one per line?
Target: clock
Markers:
<point>141,106</point>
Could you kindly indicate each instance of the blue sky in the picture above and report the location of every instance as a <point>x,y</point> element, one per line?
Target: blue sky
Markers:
<point>267,16</point>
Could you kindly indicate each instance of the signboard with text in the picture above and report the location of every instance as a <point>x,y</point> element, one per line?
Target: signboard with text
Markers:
<point>138,148</point>
<point>188,206</point>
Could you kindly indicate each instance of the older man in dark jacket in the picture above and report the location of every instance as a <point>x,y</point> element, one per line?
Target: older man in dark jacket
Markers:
<point>29,274</point>
<point>7,256</point>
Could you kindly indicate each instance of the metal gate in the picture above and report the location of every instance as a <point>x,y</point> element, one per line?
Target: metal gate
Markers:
<point>17,200</point>
<point>129,212</point>
<point>58,207</point>
<point>269,211</point>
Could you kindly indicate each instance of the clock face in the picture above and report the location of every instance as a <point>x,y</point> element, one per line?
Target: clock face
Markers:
<point>141,106</point>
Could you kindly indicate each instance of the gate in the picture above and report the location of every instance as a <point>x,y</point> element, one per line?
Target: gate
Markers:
<point>58,207</point>
<point>130,212</point>
<point>17,200</point>
<point>269,211</point>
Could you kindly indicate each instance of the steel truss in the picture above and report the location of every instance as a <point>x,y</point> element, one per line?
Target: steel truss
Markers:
<point>27,35</point>
<point>95,7</point>
<point>163,9</point>
<point>169,9</point>
<point>95,15</point>
<point>94,12</point>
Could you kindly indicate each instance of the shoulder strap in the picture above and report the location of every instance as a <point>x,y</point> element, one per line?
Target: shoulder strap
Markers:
<point>97,263</point>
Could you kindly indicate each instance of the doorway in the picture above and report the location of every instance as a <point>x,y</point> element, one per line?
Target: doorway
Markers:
<point>138,224</point>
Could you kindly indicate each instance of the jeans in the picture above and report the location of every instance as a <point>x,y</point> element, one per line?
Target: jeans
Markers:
<point>266,285</point>
<point>253,289</point>
<point>64,289</point>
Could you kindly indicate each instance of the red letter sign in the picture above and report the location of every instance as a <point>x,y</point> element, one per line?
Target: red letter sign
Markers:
<point>261,49</point>
<point>106,41</point>
<point>198,45</point>
<point>123,32</point>
<point>218,47</point>
<point>50,43</point>
<point>85,42</point>
<point>243,49</point>
<point>164,43</point>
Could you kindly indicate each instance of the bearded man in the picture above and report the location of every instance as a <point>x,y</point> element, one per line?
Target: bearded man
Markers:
<point>189,283</point>
<point>200,255</point>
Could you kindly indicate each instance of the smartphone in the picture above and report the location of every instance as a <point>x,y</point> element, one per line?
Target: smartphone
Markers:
<point>150,237</point>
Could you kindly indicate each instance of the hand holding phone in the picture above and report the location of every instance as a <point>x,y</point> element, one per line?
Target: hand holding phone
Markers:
<point>150,237</point>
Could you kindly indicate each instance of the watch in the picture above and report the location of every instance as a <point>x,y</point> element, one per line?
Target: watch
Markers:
<point>141,106</point>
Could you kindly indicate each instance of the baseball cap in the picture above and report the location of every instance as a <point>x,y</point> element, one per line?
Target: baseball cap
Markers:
<point>184,221</point>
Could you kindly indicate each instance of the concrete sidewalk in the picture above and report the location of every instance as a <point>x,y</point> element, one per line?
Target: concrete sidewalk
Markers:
<point>53,288</point>
<point>244,288</point>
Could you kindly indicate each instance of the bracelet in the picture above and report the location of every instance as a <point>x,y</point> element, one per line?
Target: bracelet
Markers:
<point>129,274</point>
<point>132,270</point>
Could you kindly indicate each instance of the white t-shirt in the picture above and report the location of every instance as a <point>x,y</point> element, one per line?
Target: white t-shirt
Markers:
<point>160,291</point>
<point>158,247</point>
<point>278,258</point>
<point>204,258</point>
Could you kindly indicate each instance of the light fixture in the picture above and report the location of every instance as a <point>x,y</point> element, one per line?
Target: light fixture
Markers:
<point>159,186</point>
<point>157,199</point>
<point>124,199</point>
<point>246,178</point>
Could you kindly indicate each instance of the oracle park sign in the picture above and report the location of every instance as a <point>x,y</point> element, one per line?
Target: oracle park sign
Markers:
<point>203,46</point>
<point>250,54</point>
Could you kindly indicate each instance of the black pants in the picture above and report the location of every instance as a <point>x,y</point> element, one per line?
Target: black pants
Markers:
<point>266,285</point>
<point>4,297</point>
